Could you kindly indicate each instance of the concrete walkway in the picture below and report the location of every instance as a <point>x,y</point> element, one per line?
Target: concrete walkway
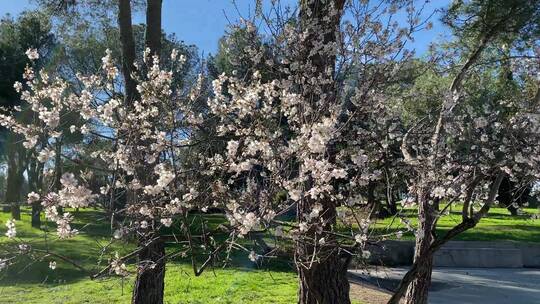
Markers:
<point>467,285</point>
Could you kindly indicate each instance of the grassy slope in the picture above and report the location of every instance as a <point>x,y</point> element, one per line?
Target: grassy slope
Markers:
<point>498,225</point>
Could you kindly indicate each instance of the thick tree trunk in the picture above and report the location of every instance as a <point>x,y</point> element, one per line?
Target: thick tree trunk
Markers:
<point>416,282</point>
<point>322,270</point>
<point>150,280</point>
<point>417,292</point>
<point>323,283</point>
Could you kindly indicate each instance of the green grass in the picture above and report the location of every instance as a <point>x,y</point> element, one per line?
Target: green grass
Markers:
<point>220,286</point>
<point>31,281</point>
<point>498,225</point>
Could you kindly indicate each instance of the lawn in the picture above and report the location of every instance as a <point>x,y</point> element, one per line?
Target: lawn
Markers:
<point>34,282</point>
<point>236,285</point>
<point>499,225</point>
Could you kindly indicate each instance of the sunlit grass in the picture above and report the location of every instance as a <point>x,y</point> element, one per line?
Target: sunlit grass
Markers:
<point>31,281</point>
<point>498,225</point>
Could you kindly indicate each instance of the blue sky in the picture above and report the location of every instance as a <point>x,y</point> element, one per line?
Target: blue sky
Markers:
<point>203,22</point>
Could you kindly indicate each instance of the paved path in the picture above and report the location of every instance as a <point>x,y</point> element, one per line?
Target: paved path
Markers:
<point>469,285</point>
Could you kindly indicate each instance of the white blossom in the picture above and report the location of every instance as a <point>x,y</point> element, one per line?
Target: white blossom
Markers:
<point>167,222</point>
<point>12,231</point>
<point>33,197</point>
<point>253,256</point>
<point>32,54</point>
<point>360,238</point>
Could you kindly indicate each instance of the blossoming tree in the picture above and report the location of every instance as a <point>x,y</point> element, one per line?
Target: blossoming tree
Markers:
<point>474,143</point>
<point>295,140</point>
<point>295,137</point>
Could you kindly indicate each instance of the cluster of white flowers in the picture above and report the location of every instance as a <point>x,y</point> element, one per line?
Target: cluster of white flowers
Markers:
<point>12,231</point>
<point>118,266</point>
<point>108,65</point>
<point>361,238</point>
<point>165,176</point>
<point>248,221</point>
<point>253,256</point>
<point>24,248</point>
<point>33,197</point>
<point>439,192</point>
<point>32,54</point>
<point>167,222</point>
<point>72,194</point>
<point>64,229</point>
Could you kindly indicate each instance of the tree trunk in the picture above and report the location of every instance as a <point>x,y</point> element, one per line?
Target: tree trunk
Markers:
<point>322,270</point>
<point>506,195</point>
<point>392,204</point>
<point>36,212</point>
<point>416,282</point>
<point>15,177</point>
<point>34,176</point>
<point>323,283</point>
<point>150,280</point>
<point>417,292</point>
<point>58,171</point>
<point>373,205</point>
<point>153,26</point>
<point>128,50</point>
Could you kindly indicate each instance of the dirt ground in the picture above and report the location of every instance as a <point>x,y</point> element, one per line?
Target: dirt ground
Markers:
<point>368,294</point>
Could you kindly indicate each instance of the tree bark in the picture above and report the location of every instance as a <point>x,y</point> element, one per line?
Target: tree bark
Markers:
<point>150,281</point>
<point>153,26</point>
<point>35,169</point>
<point>415,284</point>
<point>13,188</point>
<point>58,171</point>
<point>322,283</point>
<point>322,271</point>
<point>417,292</point>
<point>15,177</point>
<point>392,205</point>
<point>424,263</point>
<point>128,50</point>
